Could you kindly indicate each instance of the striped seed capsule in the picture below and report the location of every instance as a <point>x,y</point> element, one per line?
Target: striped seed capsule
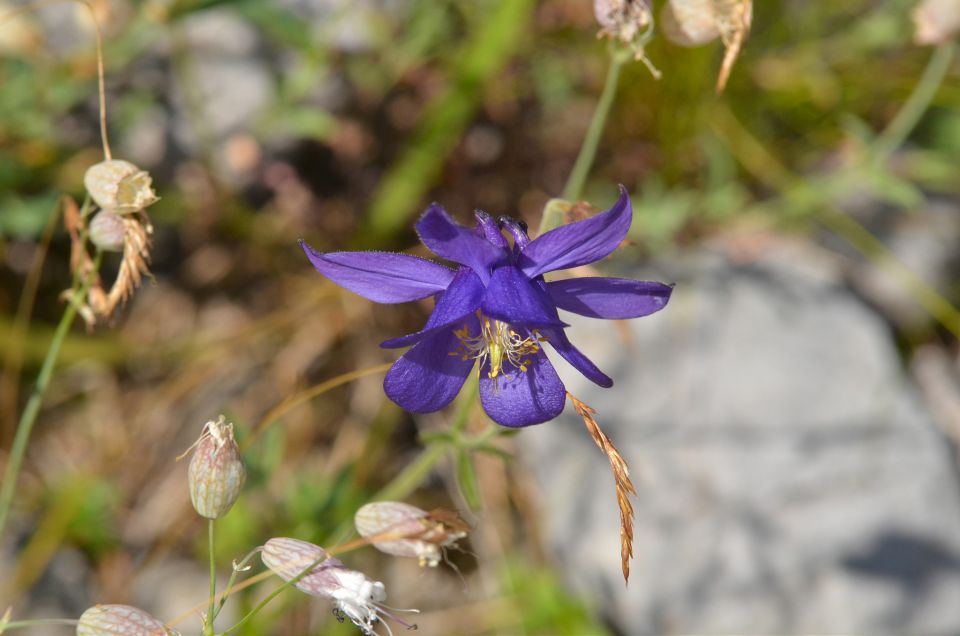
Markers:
<point>216,473</point>
<point>403,530</point>
<point>120,620</point>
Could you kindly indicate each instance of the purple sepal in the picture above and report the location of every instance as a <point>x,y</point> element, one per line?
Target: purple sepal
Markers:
<point>559,341</point>
<point>460,300</point>
<point>383,277</point>
<point>579,243</point>
<point>610,298</point>
<point>514,298</point>
<point>450,240</point>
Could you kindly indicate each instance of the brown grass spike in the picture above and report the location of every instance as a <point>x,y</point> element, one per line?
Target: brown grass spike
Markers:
<point>621,476</point>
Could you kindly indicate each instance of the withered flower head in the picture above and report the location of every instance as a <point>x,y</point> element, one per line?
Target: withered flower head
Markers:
<point>355,596</point>
<point>624,20</point>
<point>119,185</point>
<point>116,620</point>
<point>407,531</point>
<point>216,470</point>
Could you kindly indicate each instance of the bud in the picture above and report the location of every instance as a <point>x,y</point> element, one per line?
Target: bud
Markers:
<point>355,596</point>
<point>111,620</point>
<point>936,21</point>
<point>216,470</point>
<point>407,531</point>
<point>107,231</point>
<point>119,185</point>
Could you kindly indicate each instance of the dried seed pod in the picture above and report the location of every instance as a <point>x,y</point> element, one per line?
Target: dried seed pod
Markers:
<point>356,596</point>
<point>107,231</point>
<point>689,22</point>
<point>623,20</point>
<point>407,531</point>
<point>216,471</point>
<point>119,185</point>
<point>117,620</point>
<point>936,21</point>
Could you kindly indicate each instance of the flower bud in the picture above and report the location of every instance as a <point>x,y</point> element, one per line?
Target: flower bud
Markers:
<point>111,620</point>
<point>119,185</point>
<point>355,596</point>
<point>407,531</point>
<point>107,231</point>
<point>216,470</point>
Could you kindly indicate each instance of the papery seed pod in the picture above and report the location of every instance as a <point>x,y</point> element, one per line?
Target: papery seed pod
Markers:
<point>216,471</point>
<point>120,620</point>
<point>407,531</point>
<point>289,557</point>
<point>356,596</point>
<point>119,185</point>
<point>689,22</point>
<point>936,21</point>
<point>107,231</point>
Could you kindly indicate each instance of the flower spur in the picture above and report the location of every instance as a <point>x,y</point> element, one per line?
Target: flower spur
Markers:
<point>495,308</point>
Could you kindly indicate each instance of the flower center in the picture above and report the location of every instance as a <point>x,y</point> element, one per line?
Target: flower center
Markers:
<point>497,343</point>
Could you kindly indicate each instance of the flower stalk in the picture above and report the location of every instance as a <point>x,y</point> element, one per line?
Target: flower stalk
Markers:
<point>82,281</point>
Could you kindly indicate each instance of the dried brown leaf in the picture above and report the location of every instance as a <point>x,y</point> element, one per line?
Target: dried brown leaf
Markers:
<point>621,477</point>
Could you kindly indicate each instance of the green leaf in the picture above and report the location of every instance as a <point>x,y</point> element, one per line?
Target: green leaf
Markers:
<point>467,480</point>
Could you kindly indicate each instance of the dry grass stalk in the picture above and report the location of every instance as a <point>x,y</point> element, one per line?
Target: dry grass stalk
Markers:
<point>733,20</point>
<point>621,476</point>
<point>133,267</point>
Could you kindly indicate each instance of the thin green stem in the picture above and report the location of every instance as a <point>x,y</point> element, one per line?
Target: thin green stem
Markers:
<point>29,417</point>
<point>274,594</point>
<point>917,104</point>
<point>588,150</point>
<point>211,608</point>
<point>413,475</point>
<point>37,622</point>
<point>237,568</point>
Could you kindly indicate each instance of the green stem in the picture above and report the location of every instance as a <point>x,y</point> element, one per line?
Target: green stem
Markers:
<point>274,594</point>
<point>35,622</point>
<point>917,104</point>
<point>413,475</point>
<point>237,568</point>
<point>29,417</point>
<point>588,151</point>
<point>211,608</point>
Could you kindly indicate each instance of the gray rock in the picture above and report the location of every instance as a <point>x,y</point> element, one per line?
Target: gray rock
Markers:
<point>790,478</point>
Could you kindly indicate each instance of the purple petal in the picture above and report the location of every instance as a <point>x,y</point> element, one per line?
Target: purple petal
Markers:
<point>383,277</point>
<point>450,240</point>
<point>579,243</point>
<point>558,340</point>
<point>488,229</point>
<point>610,298</point>
<point>429,376</point>
<point>460,300</point>
<point>514,298</point>
<point>523,398</point>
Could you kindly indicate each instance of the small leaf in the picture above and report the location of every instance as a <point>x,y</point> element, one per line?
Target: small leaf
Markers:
<point>467,480</point>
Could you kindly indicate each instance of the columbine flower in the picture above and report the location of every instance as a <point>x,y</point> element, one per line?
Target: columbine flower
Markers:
<point>356,597</point>
<point>407,531</point>
<point>496,309</point>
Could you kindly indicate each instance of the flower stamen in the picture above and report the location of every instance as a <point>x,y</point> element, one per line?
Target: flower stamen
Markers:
<point>499,344</point>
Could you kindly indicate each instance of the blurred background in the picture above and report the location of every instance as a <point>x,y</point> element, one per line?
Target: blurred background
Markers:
<point>791,418</point>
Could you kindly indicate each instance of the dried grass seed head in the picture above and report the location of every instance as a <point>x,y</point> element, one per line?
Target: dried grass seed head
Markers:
<point>114,620</point>
<point>119,185</point>
<point>216,472</point>
<point>403,530</point>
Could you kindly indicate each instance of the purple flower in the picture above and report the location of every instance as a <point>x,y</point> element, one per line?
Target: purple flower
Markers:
<point>495,308</point>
